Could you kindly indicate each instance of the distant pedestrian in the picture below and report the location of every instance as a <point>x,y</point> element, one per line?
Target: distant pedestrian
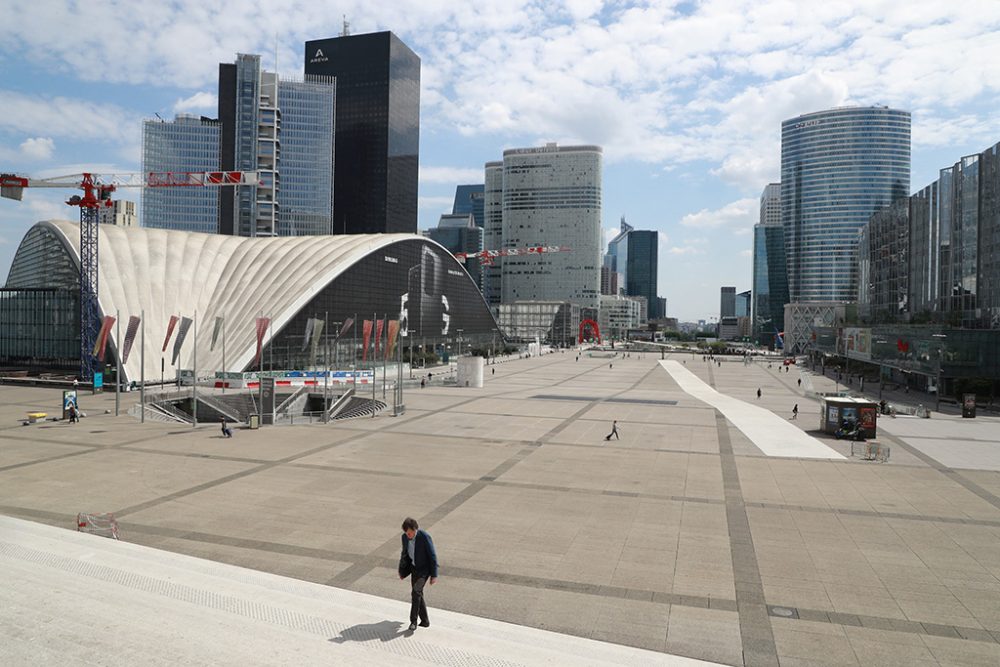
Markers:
<point>614,431</point>
<point>795,411</point>
<point>226,432</point>
<point>74,415</point>
<point>611,365</point>
<point>423,382</point>
<point>493,371</point>
<point>800,382</point>
<point>419,562</point>
<point>758,393</point>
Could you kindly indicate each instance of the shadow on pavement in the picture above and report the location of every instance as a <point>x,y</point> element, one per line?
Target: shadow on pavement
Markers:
<point>383,631</point>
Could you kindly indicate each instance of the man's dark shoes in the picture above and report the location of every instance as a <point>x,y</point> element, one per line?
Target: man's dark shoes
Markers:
<point>425,624</point>
<point>413,626</point>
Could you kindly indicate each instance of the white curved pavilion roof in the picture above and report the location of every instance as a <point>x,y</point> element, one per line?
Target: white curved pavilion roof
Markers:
<point>168,273</point>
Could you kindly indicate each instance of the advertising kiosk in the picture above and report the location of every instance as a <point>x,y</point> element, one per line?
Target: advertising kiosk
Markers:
<point>837,410</point>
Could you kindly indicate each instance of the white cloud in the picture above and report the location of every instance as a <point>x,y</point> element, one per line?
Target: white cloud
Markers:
<point>451,175</point>
<point>38,148</point>
<point>65,117</point>
<point>746,253</point>
<point>442,204</point>
<point>740,214</point>
<point>202,100</point>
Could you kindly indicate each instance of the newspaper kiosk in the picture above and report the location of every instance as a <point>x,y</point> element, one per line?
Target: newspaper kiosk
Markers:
<point>836,410</point>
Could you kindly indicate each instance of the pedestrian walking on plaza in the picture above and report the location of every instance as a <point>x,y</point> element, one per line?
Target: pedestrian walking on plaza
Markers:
<point>758,393</point>
<point>419,562</point>
<point>226,432</point>
<point>800,382</point>
<point>423,382</point>
<point>611,365</point>
<point>614,431</point>
<point>73,413</point>
<point>493,371</point>
<point>795,411</point>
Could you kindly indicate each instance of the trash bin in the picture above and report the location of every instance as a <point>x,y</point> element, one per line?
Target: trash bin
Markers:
<point>254,421</point>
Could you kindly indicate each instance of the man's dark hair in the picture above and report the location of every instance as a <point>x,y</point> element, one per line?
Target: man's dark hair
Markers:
<point>410,523</point>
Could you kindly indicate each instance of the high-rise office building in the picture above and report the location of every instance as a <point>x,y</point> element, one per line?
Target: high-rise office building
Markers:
<point>769,286</point>
<point>469,199</point>
<point>727,302</point>
<point>280,129</point>
<point>493,231</point>
<point>611,281</point>
<point>641,269</point>
<point>120,213</point>
<point>743,304</point>
<point>188,143</point>
<point>550,196</point>
<point>459,233</point>
<point>378,130</point>
<point>616,257</point>
<point>283,130</point>
<point>837,168</point>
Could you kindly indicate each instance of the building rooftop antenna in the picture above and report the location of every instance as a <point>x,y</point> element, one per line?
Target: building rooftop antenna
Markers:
<point>347,28</point>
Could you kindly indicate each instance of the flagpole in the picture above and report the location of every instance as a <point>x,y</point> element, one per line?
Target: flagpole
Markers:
<point>374,324</point>
<point>194,371</point>
<point>385,355</point>
<point>326,375</point>
<point>118,359</point>
<point>142,368</point>
<point>225,380</point>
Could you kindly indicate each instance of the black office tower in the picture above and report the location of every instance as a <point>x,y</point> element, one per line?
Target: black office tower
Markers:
<point>378,130</point>
<point>641,269</point>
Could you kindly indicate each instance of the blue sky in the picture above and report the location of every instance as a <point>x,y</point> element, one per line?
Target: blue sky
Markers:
<point>685,97</point>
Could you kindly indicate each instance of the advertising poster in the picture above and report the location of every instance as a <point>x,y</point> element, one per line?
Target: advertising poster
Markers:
<point>850,414</point>
<point>833,414</point>
<point>868,419</point>
<point>69,398</point>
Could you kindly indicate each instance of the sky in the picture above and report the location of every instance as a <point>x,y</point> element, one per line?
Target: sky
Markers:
<point>686,98</point>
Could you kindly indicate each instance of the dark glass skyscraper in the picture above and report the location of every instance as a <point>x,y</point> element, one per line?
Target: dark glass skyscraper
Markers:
<point>378,130</point>
<point>837,168</point>
<point>469,199</point>
<point>640,274</point>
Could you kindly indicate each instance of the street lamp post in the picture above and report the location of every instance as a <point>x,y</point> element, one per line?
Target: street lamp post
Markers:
<point>459,341</point>
<point>937,392</point>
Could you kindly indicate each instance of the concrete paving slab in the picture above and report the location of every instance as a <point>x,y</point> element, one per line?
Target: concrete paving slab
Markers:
<point>773,435</point>
<point>74,598</point>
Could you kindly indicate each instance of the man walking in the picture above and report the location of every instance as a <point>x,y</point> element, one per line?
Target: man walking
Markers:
<point>795,411</point>
<point>758,393</point>
<point>614,431</point>
<point>418,561</point>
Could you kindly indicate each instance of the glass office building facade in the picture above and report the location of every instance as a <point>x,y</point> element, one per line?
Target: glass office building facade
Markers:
<point>641,272</point>
<point>769,290</point>
<point>470,199</point>
<point>378,130</point>
<point>188,143</point>
<point>837,168</point>
<point>492,230</point>
<point>459,233</point>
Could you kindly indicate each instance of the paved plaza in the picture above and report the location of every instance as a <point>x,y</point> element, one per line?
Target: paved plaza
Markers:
<point>684,537</point>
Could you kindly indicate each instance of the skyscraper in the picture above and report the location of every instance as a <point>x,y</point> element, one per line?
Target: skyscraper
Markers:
<point>837,167</point>
<point>548,196</point>
<point>283,130</point>
<point>641,269</point>
<point>188,143</point>
<point>616,258</point>
<point>458,233</point>
<point>769,286</point>
<point>469,199</point>
<point>727,302</point>
<point>493,231</point>
<point>378,130</point>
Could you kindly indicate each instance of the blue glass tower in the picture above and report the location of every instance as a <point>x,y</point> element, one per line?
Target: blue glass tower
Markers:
<point>837,168</point>
<point>470,199</point>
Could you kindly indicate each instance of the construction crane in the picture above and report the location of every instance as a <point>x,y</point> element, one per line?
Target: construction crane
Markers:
<point>97,191</point>
<point>487,256</point>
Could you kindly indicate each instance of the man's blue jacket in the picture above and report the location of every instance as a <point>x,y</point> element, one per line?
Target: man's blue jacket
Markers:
<point>425,558</point>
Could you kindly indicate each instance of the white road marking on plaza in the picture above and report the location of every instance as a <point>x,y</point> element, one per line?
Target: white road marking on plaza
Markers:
<point>772,434</point>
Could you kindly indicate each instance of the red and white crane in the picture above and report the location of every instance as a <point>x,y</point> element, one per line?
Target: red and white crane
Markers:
<point>97,191</point>
<point>487,256</point>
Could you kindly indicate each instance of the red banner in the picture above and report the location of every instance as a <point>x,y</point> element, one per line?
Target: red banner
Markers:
<point>130,332</point>
<point>365,336</point>
<point>262,324</point>
<point>102,338</point>
<point>379,325</point>
<point>391,339</point>
<point>170,331</point>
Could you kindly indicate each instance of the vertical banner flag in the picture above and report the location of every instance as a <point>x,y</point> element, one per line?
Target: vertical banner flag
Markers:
<point>130,332</point>
<point>181,335</point>
<point>307,336</point>
<point>366,336</point>
<point>215,333</point>
<point>315,333</point>
<point>170,331</point>
<point>347,327</point>
<point>102,338</point>
<point>379,325</point>
<point>262,324</point>
<point>390,342</point>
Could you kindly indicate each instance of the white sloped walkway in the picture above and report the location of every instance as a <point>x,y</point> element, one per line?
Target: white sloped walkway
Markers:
<point>771,433</point>
<point>72,599</point>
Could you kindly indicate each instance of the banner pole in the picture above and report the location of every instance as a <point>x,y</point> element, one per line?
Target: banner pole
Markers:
<point>142,368</point>
<point>118,359</point>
